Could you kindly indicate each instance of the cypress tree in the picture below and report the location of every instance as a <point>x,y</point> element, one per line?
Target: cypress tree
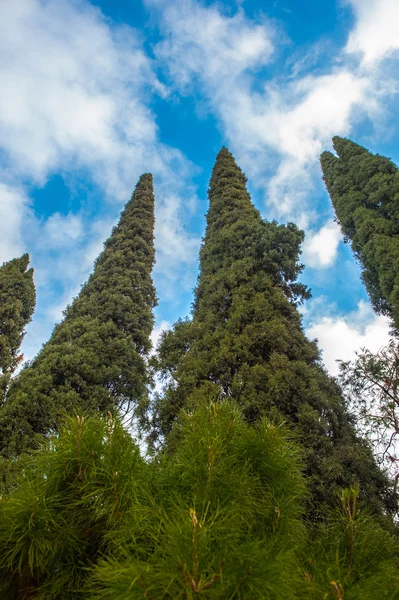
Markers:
<point>364,190</point>
<point>17,303</point>
<point>245,341</point>
<point>96,357</point>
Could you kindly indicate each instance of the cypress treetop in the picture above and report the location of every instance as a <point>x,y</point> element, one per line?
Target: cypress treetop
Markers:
<point>96,357</point>
<point>17,303</point>
<point>364,190</point>
<point>245,341</point>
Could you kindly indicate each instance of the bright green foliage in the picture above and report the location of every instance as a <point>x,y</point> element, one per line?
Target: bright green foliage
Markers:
<point>17,303</point>
<point>245,341</point>
<point>364,190</point>
<point>219,517</point>
<point>55,523</point>
<point>96,358</point>
<point>351,557</point>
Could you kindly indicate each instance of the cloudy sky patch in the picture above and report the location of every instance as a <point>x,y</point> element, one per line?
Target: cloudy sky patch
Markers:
<point>96,93</point>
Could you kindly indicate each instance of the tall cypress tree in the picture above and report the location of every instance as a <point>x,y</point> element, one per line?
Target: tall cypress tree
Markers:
<point>17,303</point>
<point>245,341</point>
<point>364,190</point>
<point>96,357</point>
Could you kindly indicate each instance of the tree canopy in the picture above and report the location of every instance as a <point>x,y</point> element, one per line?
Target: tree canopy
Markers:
<point>364,190</point>
<point>258,485</point>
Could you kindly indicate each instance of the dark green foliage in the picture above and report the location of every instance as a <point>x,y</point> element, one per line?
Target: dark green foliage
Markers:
<point>96,358</point>
<point>364,190</point>
<point>17,303</point>
<point>245,341</point>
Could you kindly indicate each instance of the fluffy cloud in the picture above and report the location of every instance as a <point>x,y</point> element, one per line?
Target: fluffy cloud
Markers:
<point>320,248</point>
<point>341,336</point>
<point>72,87</point>
<point>75,94</point>
<point>375,34</point>
<point>220,49</point>
<point>62,230</point>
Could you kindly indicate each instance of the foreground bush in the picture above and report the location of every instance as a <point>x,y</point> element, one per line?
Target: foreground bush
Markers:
<point>220,516</point>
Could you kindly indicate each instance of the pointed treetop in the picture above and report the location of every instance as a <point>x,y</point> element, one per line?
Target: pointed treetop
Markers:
<point>345,148</point>
<point>226,168</point>
<point>131,244</point>
<point>229,199</point>
<point>364,188</point>
<point>23,262</point>
<point>245,340</point>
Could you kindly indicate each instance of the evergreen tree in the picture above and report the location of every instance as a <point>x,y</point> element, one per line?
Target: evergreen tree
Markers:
<point>96,357</point>
<point>17,303</point>
<point>245,341</point>
<point>364,190</point>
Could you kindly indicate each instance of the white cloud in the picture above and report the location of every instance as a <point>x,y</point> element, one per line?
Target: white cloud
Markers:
<point>158,330</point>
<point>341,336</point>
<point>320,249</point>
<point>202,43</point>
<point>71,86</point>
<point>62,230</point>
<point>375,33</point>
<point>172,246</point>
<point>75,95</point>
<point>14,207</point>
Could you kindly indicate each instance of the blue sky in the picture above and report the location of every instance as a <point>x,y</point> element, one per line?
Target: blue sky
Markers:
<point>94,94</point>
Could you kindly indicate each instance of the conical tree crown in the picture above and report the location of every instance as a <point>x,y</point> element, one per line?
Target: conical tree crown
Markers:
<point>237,235</point>
<point>96,358</point>
<point>245,341</point>
<point>121,283</point>
<point>229,201</point>
<point>364,190</point>
<point>345,148</point>
<point>17,303</point>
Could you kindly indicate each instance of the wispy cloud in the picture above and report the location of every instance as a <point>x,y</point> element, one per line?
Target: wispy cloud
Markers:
<point>277,125</point>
